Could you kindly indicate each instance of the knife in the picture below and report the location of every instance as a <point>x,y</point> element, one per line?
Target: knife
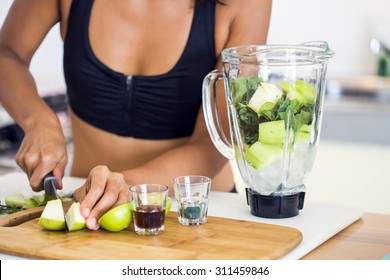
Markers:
<point>50,185</point>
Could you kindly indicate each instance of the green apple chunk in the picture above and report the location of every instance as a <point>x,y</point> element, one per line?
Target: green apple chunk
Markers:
<point>303,134</point>
<point>74,218</point>
<point>52,217</point>
<point>272,132</point>
<point>299,90</point>
<point>40,199</point>
<point>265,93</point>
<point>260,154</point>
<point>30,203</point>
<point>15,200</point>
<point>168,205</point>
<point>118,218</point>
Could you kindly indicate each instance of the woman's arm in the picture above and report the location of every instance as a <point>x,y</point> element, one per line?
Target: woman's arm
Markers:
<point>248,24</point>
<point>43,148</point>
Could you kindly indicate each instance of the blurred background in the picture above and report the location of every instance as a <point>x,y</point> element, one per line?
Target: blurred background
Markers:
<point>354,152</point>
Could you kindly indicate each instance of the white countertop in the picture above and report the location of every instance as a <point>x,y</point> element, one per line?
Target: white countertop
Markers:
<point>317,221</point>
<point>351,174</point>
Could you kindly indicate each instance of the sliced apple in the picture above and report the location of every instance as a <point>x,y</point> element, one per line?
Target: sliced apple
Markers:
<point>52,217</point>
<point>15,200</point>
<point>75,220</point>
<point>30,203</point>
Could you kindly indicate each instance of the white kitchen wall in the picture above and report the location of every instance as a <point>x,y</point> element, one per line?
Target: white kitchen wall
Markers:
<point>347,25</point>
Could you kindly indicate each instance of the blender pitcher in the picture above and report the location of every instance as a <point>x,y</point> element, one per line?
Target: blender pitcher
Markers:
<point>274,97</point>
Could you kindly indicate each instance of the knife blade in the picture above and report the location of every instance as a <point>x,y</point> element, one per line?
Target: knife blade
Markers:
<point>50,185</point>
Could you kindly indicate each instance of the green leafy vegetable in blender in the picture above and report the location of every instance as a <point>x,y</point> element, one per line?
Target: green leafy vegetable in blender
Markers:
<point>268,114</point>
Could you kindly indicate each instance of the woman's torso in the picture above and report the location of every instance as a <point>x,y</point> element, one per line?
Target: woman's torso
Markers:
<point>113,28</point>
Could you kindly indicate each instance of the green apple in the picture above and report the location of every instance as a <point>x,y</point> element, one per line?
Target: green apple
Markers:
<point>30,203</point>
<point>40,199</point>
<point>168,205</point>
<point>118,218</point>
<point>15,200</point>
<point>52,217</point>
<point>75,220</point>
<point>272,132</point>
<point>260,154</point>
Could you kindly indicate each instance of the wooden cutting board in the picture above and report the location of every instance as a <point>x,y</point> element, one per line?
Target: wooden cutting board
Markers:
<point>219,239</point>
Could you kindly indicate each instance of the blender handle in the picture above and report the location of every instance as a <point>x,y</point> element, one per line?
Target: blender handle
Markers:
<point>213,124</point>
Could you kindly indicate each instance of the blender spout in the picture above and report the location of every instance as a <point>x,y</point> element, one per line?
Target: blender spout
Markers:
<point>320,49</point>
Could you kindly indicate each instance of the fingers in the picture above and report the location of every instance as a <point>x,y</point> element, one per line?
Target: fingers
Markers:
<point>58,172</point>
<point>102,191</point>
<point>38,160</point>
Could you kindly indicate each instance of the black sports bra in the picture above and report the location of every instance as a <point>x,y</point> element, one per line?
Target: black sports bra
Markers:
<point>148,107</point>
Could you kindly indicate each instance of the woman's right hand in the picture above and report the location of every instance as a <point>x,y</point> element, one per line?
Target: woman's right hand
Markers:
<point>43,150</point>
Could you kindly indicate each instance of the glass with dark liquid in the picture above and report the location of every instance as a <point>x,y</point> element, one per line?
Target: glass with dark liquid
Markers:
<point>149,208</point>
<point>149,216</point>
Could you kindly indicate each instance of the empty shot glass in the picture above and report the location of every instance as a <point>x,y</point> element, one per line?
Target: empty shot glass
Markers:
<point>149,201</point>
<point>192,196</point>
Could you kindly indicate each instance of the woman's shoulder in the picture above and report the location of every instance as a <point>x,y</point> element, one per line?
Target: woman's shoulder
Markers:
<point>247,8</point>
<point>242,22</point>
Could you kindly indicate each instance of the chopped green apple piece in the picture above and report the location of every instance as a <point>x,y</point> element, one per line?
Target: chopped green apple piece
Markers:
<point>40,199</point>
<point>52,217</point>
<point>260,154</point>
<point>265,95</point>
<point>15,200</point>
<point>30,203</point>
<point>303,134</point>
<point>299,90</point>
<point>272,132</point>
<point>64,199</point>
<point>75,220</point>
<point>168,205</point>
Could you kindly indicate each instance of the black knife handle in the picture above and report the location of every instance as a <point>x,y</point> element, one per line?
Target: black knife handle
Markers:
<point>50,177</point>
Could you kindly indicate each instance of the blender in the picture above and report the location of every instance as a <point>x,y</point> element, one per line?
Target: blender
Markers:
<point>274,95</point>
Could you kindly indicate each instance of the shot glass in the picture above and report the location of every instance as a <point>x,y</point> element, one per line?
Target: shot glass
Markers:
<point>192,196</point>
<point>149,208</point>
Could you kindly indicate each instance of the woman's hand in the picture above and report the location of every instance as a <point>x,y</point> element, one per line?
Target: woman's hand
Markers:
<point>43,150</point>
<point>102,191</point>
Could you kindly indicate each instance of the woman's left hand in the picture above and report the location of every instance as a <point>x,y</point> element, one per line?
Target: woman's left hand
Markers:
<point>102,191</point>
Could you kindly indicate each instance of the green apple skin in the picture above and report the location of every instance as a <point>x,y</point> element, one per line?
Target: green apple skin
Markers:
<point>75,220</point>
<point>30,203</point>
<point>52,217</point>
<point>118,218</point>
<point>168,205</point>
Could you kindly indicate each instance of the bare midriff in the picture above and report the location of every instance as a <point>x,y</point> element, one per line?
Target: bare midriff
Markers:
<point>92,147</point>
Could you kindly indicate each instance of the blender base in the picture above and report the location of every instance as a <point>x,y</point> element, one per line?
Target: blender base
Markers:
<point>268,206</point>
